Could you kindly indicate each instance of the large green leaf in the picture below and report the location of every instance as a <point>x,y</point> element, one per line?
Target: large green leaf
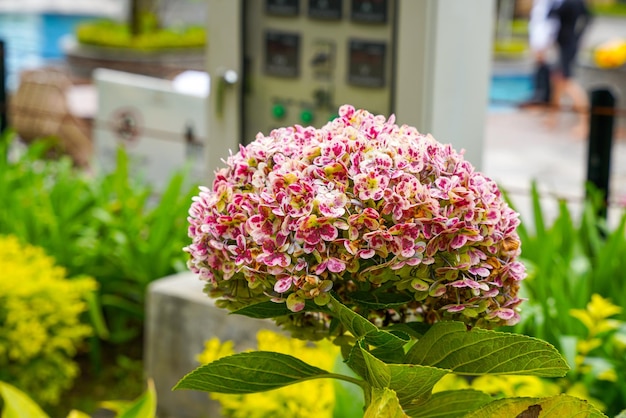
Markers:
<point>553,407</point>
<point>17,404</point>
<point>384,404</point>
<point>362,328</point>
<point>450,404</point>
<point>448,345</point>
<point>412,383</point>
<point>256,371</point>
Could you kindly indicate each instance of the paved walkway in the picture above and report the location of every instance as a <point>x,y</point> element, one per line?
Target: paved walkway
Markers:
<point>519,147</point>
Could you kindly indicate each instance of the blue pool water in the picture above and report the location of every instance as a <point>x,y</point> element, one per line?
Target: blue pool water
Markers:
<point>32,40</point>
<point>506,91</point>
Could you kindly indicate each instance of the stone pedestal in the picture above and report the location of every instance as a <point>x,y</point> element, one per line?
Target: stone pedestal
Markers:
<point>179,319</point>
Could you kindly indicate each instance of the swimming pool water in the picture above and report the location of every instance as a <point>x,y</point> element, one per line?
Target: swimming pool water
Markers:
<point>32,40</point>
<point>507,91</point>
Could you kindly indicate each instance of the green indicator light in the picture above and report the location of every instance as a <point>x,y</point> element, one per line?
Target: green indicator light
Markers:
<point>279,111</point>
<point>306,116</point>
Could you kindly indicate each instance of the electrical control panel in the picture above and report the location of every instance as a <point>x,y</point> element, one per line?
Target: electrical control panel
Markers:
<point>302,59</point>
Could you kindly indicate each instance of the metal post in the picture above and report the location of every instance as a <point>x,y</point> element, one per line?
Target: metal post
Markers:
<point>3,90</point>
<point>601,122</point>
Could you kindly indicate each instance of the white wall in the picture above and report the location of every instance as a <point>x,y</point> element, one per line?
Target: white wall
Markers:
<point>443,70</point>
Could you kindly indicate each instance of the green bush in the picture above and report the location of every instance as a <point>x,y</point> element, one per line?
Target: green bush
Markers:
<point>108,226</point>
<point>576,281</point>
<point>40,326</point>
<point>115,34</point>
<point>18,404</point>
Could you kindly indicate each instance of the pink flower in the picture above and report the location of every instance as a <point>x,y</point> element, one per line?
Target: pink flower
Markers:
<point>359,204</point>
<point>331,203</point>
<point>370,186</point>
<point>312,230</point>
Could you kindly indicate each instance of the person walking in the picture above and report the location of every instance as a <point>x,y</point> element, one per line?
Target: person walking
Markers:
<point>542,30</point>
<point>573,18</point>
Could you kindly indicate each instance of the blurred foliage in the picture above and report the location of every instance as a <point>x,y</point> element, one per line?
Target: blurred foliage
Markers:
<point>617,9</point>
<point>510,48</point>
<point>576,273</point>
<point>519,27</point>
<point>109,33</point>
<point>40,325</point>
<point>17,404</point>
<point>107,226</point>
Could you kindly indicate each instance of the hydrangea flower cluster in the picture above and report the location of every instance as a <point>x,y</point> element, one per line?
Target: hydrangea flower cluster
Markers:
<point>395,224</point>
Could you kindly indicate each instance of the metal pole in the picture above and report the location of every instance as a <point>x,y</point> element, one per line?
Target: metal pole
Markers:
<point>601,122</point>
<point>3,90</point>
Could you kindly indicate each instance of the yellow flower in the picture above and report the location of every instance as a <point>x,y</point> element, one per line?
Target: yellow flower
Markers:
<point>579,390</point>
<point>584,347</point>
<point>609,375</point>
<point>319,399</point>
<point>515,386</point>
<point>451,382</point>
<point>610,54</point>
<point>40,318</point>
<point>602,308</point>
<point>594,317</point>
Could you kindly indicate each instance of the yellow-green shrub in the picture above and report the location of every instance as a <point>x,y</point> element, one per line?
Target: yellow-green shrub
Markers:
<point>288,401</point>
<point>108,33</point>
<point>40,326</point>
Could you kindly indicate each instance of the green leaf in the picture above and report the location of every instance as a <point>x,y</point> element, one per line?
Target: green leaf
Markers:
<point>373,300</point>
<point>540,227</point>
<point>256,371</point>
<point>552,407</point>
<point>450,404</point>
<point>412,383</point>
<point>269,309</point>
<point>77,414</point>
<point>621,414</point>
<point>413,329</point>
<point>378,375</point>
<point>144,407</point>
<point>96,315</point>
<point>384,404</point>
<point>362,328</point>
<point>448,345</point>
<point>17,404</point>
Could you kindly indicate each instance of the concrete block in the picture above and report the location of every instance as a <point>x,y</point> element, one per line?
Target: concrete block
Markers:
<point>179,319</point>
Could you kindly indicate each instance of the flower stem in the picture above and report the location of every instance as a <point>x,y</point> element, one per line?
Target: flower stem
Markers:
<point>359,382</point>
